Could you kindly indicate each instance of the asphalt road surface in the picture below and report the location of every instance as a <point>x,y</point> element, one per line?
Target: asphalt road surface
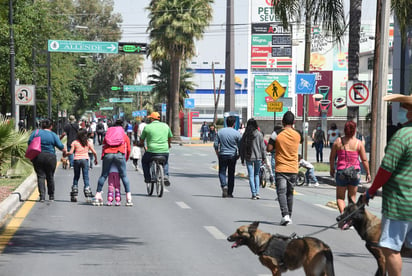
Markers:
<point>182,233</point>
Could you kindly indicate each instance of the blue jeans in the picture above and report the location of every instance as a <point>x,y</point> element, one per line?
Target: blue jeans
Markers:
<point>253,168</point>
<point>120,161</point>
<point>310,176</point>
<point>227,162</point>
<point>147,156</point>
<point>71,157</point>
<point>319,151</point>
<point>284,189</point>
<point>81,165</point>
<point>273,163</point>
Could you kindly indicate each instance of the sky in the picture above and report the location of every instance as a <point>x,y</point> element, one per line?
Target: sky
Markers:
<point>212,47</point>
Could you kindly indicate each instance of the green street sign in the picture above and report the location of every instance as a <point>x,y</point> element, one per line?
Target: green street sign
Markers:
<point>137,88</point>
<point>101,47</point>
<point>106,108</point>
<point>116,88</point>
<point>132,48</point>
<point>124,100</point>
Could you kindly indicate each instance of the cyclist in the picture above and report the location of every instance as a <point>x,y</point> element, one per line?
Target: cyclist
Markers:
<point>158,137</point>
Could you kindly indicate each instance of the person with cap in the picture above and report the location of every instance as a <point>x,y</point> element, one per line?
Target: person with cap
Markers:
<point>394,176</point>
<point>158,137</point>
<point>70,129</point>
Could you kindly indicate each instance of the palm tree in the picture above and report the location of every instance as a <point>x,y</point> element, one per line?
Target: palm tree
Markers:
<point>174,26</point>
<point>161,82</point>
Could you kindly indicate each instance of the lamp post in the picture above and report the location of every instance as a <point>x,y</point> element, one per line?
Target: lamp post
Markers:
<point>12,69</point>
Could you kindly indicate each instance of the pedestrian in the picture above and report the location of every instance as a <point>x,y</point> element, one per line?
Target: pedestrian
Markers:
<point>241,129</point>
<point>90,152</point>
<point>226,146</point>
<point>113,189</point>
<point>100,131</point>
<point>93,126</point>
<point>348,149</point>
<point>136,155</point>
<point>80,148</point>
<point>212,132</point>
<point>394,175</point>
<point>310,177</point>
<point>129,130</point>
<point>70,129</point>
<point>204,132</point>
<point>142,125</point>
<point>333,134</point>
<point>45,163</point>
<point>319,141</point>
<point>135,129</point>
<point>253,152</point>
<point>286,146</point>
<point>115,150</point>
<point>21,125</point>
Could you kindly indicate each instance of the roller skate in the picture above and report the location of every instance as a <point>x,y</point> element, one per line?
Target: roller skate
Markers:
<point>97,200</point>
<point>74,193</point>
<point>118,197</point>
<point>129,199</point>
<point>88,194</point>
<point>110,196</point>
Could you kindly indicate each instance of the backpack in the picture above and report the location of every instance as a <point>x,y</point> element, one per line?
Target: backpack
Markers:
<point>100,127</point>
<point>114,136</point>
<point>318,136</point>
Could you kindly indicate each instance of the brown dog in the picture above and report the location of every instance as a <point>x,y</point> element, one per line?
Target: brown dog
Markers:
<point>368,227</point>
<point>65,163</point>
<point>282,253</point>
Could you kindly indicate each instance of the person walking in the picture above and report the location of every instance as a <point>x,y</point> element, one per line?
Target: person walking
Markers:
<point>70,129</point>
<point>348,150</point>
<point>115,150</point>
<point>394,176</point>
<point>286,147</point>
<point>276,129</point>
<point>333,134</point>
<point>212,132</point>
<point>319,140</point>
<point>226,146</point>
<point>45,163</point>
<point>253,151</point>
<point>204,132</point>
<point>136,154</point>
<point>100,131</point>
<point>80,147</point>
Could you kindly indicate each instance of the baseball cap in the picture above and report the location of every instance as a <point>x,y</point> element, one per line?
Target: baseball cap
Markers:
<point>72,118</point>
<point>154,115</point>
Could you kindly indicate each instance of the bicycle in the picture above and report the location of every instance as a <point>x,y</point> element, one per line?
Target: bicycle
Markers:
<point>157,175</point>
<point>301,178</point>
<point>264,175</point>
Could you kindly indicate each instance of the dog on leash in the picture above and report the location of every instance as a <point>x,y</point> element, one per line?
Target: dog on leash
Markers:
<point>281,253</point>
<point>65,163</point>
<point>368,227</point>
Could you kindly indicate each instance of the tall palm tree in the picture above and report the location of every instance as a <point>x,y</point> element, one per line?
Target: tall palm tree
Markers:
<point>174,27</point>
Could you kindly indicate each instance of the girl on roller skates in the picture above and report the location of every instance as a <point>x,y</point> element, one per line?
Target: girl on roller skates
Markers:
<point>80,147</point>
<point>114,187</point>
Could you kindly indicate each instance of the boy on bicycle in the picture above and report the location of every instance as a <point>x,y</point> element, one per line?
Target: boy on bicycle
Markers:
<point>310,172</point>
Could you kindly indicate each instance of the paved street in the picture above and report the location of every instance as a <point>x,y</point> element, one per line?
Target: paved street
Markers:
<point>182,233</point>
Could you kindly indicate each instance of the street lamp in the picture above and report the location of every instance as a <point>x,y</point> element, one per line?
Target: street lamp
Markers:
<point>12,69</point>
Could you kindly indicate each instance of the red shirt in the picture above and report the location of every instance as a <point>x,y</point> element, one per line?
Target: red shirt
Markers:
<point>123,148</point>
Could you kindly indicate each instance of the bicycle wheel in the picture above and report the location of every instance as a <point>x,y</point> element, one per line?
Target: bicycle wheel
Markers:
<point>262,177</point>
<point>301,178</point>
<point>150,185</point>
<point>159,180</point>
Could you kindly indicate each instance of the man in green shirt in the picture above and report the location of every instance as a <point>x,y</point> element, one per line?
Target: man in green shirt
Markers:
<point>158,137</point>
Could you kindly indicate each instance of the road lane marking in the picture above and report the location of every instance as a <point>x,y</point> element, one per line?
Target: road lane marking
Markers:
<point>215,232</point>
<point>183,205</point>
<point>16,221</point>
<point>325,207</point>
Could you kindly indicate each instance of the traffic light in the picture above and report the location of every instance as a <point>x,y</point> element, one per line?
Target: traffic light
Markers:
<point>132,48</point>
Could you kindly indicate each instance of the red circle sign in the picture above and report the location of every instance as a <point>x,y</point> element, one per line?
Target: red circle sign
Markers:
<point>358,97</point>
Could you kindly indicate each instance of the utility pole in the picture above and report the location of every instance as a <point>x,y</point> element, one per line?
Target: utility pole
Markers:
<point>12,69</point>
<point>229,61</point>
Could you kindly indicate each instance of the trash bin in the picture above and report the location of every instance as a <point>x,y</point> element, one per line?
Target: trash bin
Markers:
<point>231,113</point>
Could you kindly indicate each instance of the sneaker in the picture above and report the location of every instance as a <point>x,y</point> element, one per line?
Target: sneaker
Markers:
<point>316,184</point>
<point>231,196</point>
<point>286,220</point>
<point>129,199</point>
<point>254,197</point>
<point>166,181</point>
<point>51,197</point>
<point>257,196</point>
<point>224,191</point>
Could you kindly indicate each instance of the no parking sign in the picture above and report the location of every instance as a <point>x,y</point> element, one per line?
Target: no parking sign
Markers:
<point>25,94</point>
<point>358,93</point>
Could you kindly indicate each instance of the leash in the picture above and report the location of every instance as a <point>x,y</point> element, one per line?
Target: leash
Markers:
<point>332,226</point>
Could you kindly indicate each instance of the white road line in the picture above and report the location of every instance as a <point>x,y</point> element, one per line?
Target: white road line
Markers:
<point>182,205</point>
<point>325,207</point>
<point>215,232</point>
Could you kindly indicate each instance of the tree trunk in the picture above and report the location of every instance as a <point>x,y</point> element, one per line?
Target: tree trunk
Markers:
<point>174,91</point>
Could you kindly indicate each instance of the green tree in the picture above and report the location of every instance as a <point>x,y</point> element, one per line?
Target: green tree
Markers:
<point>174,27</point>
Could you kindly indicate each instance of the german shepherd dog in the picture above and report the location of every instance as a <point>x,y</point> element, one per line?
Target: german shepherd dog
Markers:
<point>368,227</point>
<point>281,253</point>
<point>65,163</point>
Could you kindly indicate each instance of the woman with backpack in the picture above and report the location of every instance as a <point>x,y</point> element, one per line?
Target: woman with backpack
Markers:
<point>319,140</point>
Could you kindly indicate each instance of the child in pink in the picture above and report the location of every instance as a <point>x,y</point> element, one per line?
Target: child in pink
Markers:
<point>114,187</point>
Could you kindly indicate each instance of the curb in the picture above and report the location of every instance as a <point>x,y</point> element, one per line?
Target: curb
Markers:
<point>16,198</point>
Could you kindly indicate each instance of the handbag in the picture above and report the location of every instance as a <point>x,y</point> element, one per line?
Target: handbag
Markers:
<point>34,148</point>
<point>350,173</point>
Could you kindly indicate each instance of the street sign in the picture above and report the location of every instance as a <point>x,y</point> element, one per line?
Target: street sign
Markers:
<point>132,48</point>
<point>189,103</point>
<point>305,83</point>
<point>25,94</point>
<point>275,106</point>
<point>124,100</point>
<point>358,93</point>
<point>287,102</point>
<point>137,88</point>
<point>106,108</point>
<point>101,47</point>
<point>116,88</point>
<point>275,90</point>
